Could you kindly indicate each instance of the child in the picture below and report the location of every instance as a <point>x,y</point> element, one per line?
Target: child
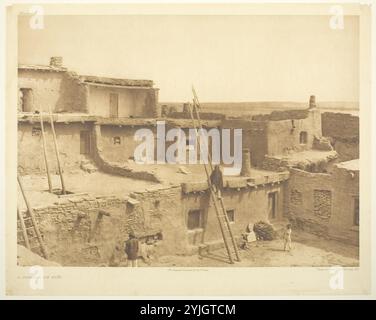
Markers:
<point>287,237</point>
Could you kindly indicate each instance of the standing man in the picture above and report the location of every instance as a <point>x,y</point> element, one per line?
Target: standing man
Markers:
<point>131,249</point>
<point>216,179</point>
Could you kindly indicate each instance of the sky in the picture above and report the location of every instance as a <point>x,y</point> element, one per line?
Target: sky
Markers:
<point>226,58</point>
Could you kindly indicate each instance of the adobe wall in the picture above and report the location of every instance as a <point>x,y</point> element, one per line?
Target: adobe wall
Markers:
<point>74,235</point>
<point>116,167</point>
<point>346,184</point>
<point>254,137</point>
<point>61,91</point>
<point>343,129</point>
<point>118,152</point>
<point>283,136</point>
<point>132,102</point>
<point>250,205</point>
<point>310,196</point>
<point>339,125</point>
<point>30,146</point>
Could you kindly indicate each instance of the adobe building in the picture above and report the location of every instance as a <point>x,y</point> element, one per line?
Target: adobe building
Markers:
<point>289,170</point>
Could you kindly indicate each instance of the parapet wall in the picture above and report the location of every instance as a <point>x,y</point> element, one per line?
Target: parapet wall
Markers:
<point>115,167</point>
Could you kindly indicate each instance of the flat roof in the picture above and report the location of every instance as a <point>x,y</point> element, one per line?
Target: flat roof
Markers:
<point>352,165</point>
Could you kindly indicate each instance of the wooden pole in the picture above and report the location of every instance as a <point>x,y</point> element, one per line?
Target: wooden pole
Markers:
<point>212,193</point>
<point>45,153</point>
<point>23,227</point>
<point>57,154</point>
<point>31,213</point>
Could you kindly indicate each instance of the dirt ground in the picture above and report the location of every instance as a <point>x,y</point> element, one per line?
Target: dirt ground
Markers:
<point>307,251</point>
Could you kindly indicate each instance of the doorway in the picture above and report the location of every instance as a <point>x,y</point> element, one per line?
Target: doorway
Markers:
<point>272,205</point>
<point>114,105</point>
<point>85,142</point>
<point>25,100</point>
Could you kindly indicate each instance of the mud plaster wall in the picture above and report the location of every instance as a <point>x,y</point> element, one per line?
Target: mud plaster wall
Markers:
<point>131,103</point>
<point>57,90</point>
<point>255,139</point>
<point>346,185</point>
<point>118,152</point>
<point>72,240</point>
<point>250,205</point>
<point>167,210</point>
<point>116,168</point>
<point>300,202</point>
<point>30,147</point>
<point>163,210</point>
<point>283,138</point>
<point>343,129</point>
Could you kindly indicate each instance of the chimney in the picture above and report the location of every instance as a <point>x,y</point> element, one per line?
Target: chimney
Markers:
<point>312,102</point>
<point>186,107</point>
<point>246,163</point>
<point>56,62</point>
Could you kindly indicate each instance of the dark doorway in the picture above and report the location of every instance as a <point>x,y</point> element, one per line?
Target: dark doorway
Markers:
<point>194,220</point>
<point>303,137</point>
<point>272,205</point>
<point>26,100</point>
<point>85,142</point>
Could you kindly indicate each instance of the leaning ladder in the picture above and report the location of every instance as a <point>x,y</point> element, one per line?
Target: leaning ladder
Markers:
<point>221,213</point>
<point>29,227</point>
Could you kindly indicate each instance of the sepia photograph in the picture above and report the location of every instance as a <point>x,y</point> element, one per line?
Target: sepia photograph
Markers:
<point>218,139</point>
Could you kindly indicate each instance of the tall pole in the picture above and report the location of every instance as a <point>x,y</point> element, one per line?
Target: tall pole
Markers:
<point>57,153</point>
<point>31,213</point>
<point>45,153</point>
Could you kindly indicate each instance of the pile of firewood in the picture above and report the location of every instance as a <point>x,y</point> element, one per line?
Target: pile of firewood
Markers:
<point>264,231</point>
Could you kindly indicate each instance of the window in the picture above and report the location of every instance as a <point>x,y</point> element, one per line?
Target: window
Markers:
<point>303,138</point>
<point>36,131</point>
<point>194,220</point>
<point>231,215</point>
<point>116,140</point>
<point>356,211</point>
<point>272,204</point>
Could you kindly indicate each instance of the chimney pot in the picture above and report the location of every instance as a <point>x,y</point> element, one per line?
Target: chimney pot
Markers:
<point>246,163</point>
<point>312,102</point>
<point>56,62</point>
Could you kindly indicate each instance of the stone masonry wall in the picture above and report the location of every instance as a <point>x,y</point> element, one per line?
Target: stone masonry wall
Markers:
<point>324,204</point>
<point>343,130</point>
<point>75,233</point>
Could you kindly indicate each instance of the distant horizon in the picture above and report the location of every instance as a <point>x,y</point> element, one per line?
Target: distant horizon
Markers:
<point>227,58</point>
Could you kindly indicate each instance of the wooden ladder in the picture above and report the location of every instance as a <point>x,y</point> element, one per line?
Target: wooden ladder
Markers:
<point>219,206</point>
<point>32,237</point>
